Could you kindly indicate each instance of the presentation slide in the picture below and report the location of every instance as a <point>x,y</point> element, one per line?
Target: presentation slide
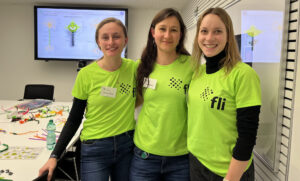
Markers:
<point>70,33</point>
<point>261,36</point>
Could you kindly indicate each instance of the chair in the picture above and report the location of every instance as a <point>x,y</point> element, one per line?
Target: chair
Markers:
<point>43,177</point>
<point>68,167</point>
<point>39,91</point>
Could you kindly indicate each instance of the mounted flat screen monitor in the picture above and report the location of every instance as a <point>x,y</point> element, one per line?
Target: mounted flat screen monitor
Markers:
<point>68,33</point>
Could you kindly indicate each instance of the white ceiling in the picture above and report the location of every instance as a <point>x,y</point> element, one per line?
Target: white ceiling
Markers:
<point>151,4</point>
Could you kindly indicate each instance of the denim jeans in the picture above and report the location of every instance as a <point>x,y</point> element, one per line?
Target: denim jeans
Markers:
<point>107,157</point>
<point>148,167</point>
<point>200,173</point>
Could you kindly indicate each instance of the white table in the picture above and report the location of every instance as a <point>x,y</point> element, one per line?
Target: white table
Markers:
<point>27,169</point>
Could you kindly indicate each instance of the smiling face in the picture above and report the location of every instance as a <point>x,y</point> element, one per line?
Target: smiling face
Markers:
<point>111,39</point>
<point>167,34</point>
<point>212,35</point>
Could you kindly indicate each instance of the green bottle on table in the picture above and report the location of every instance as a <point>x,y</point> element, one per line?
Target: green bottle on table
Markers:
<point>51,136</point>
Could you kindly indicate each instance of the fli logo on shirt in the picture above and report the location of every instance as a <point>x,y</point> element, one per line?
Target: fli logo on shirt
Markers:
<point>217,102</point>
<point>220,103</point>
<point>186,88</point>
<point>125,88</point>
<point>175,83</point>
<point>206,94</point>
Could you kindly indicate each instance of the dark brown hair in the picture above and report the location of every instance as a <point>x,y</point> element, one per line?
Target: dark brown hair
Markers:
<point>149,54</point>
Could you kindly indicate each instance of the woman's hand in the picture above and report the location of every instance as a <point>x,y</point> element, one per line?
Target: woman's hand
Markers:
<point>236,169</point>
<point>49,166</point>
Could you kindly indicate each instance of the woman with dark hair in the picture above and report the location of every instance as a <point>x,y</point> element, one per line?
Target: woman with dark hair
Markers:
<point>224,104</point>
<point>105,92</point>
<point>163,77</point>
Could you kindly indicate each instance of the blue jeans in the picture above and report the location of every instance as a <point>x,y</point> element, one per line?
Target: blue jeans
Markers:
<point>107,157</point>
<point>148,167</point>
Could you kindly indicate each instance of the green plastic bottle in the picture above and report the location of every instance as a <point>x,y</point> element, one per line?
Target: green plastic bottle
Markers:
<point>51,136</point>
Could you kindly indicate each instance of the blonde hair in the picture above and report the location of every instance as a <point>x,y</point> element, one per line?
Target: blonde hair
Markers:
<point>231,49</point>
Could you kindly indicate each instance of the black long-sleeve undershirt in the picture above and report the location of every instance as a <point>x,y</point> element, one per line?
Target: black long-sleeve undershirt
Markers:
<point>73,122</point>
<point>247,125</point>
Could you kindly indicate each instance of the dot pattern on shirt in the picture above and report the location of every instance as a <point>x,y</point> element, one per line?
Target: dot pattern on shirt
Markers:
<point>175,83</point>
<point>206,94</point>
<point>125,88</point>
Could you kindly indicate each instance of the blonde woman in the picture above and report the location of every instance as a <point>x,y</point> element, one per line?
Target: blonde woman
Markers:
<point>223,104</point>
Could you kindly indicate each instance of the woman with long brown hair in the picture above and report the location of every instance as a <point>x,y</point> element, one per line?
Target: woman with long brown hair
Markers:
<point>164,73</point>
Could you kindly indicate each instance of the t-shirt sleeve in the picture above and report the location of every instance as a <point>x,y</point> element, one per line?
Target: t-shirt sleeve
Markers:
<point>80,89</point>
<point>247,87</point>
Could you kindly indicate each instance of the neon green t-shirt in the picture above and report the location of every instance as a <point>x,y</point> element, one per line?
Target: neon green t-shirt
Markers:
<point>212,103</point>
<point>107,115</point>
<point>162,123</point>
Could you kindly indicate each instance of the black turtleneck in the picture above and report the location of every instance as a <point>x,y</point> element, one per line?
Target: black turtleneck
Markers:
<point>213,63</point>
<point>247,117</point>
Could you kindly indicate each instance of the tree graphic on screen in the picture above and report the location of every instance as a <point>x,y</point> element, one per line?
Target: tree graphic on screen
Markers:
<point>72,27</point>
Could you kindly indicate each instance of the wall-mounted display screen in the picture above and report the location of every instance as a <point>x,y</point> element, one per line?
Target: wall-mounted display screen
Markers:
<point>261,36</point>
<point>68,33</point>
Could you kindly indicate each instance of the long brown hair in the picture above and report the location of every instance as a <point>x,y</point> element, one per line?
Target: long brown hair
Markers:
<point>149,54</point>
<point>232,52</point>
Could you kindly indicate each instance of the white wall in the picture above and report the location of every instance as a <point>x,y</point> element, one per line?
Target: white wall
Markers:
<point>139,24</point>
<point>17,64</point>
<point>190,36</point>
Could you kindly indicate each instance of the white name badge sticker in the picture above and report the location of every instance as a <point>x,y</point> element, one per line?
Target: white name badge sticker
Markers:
<point>108,92</point>
<point>150,83</point>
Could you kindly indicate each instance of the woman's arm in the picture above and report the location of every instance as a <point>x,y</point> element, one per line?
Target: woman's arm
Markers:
<point>70,128</point>
<point>247,125</point>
